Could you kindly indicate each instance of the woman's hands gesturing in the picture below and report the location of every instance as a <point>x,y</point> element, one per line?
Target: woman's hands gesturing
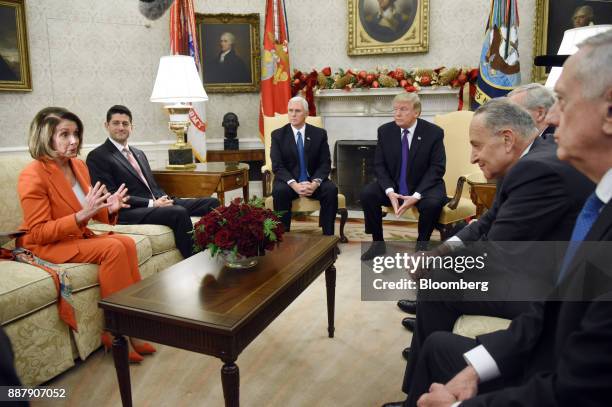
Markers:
<point>98,198</point>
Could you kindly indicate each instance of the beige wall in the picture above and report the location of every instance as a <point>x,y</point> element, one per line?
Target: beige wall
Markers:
<point>88,54</point>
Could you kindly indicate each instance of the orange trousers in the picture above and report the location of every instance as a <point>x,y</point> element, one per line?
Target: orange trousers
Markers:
<point>116,255</point>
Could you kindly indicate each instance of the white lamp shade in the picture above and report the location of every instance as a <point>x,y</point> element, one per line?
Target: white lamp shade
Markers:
<point>178,81</point>
<point>571,38</point>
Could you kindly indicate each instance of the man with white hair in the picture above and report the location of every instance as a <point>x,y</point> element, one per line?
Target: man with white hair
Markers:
<point>227,66</point>
<point>301,163</point>
<point>557,354</point>
<point>537,100</point>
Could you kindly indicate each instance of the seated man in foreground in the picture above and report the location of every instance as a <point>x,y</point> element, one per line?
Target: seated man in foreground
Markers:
<point>115,162</point>
<point>301,164</point>
<point>558,352</point>
<point>539,198</point>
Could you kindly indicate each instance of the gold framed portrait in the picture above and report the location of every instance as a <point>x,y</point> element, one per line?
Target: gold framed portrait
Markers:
<point>554,17</point>
<point>388,26</point>
<point>229,51</point>
<point>14,57</point>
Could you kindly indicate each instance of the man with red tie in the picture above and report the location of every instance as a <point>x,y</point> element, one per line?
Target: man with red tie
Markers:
<point>410,162</point>
<point>115,162</point>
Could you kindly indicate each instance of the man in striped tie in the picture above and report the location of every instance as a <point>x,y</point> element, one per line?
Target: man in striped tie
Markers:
<point>301,164</point>
<point>558,352</point>
<point>115,162</point>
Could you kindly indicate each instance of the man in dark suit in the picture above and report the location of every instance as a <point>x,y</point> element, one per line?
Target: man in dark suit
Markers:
<point>226,66</point>
<point>114,163</point>
<point>537,100</point>
<point>538,199</point>
<point>409,163</point>
<point>558,352</point>
<point>301,163</point>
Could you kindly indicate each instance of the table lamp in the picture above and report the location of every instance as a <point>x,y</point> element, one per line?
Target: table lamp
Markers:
<point>178,84</point>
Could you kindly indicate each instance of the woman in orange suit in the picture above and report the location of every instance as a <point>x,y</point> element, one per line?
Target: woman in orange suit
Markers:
<point>57,201</point>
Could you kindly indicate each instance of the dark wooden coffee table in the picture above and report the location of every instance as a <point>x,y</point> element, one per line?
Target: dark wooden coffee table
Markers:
<point>219,318</point>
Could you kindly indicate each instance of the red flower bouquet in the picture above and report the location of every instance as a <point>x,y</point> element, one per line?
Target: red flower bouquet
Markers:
<point>238,231</point>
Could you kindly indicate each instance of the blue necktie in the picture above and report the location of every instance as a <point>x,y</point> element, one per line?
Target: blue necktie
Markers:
<point>586,218</point>
<point>403,184</point>
<point>300,147</point>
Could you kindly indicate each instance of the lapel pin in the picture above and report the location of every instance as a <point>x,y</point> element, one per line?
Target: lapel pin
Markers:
<point>419,137</point>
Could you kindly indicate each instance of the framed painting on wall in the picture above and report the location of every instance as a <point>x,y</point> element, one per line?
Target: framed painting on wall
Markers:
<point>388,26</point>
<point>556,16</point>
<point>229,51</point>
<point>14,57</point>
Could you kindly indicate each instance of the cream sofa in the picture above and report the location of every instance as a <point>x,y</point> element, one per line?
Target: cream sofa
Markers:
<point>44,346</point>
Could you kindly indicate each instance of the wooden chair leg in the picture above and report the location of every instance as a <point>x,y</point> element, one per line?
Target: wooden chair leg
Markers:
<point>343,217</point>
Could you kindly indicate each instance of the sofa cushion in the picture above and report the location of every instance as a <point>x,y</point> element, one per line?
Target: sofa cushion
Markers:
<point>24,289</point>
<point>160,237</point>
<point>10,208</point>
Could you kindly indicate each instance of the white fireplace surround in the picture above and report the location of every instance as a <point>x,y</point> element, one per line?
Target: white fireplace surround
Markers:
<point>356,114</point>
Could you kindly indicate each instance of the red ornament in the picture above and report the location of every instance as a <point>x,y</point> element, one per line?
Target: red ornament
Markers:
<point>326,71</point>
<point>296,82</point>
<point>425,80</point>
<point>403,83</point>
<point>399,74</point>
<point>369,78</point>
<point>462,78</point>
<point>410,88</point>
<point>375,84</point>
<point>362,74</point>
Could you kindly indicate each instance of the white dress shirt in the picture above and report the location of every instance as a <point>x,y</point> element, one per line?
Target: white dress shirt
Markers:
<point>122,148</point>
<point>411,129</point>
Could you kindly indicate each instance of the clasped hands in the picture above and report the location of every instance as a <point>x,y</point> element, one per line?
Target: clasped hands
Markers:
<point>304,188</point>
<point>162,202</point>
<point>98,198</point>
<point>408,202</point>
<point>461,387</point>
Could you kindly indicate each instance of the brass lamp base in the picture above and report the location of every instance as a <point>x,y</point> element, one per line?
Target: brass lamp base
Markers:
<point>180,158</point>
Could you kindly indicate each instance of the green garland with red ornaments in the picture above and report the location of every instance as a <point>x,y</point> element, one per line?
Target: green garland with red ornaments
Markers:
<point>412,80</point>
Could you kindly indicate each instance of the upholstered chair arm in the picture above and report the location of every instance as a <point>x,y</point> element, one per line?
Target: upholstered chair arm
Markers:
<point>454,202</point>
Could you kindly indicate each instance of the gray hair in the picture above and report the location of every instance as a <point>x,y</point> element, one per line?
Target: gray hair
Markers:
<point>536,95</point>
<point>409,97</point>
<point>231,37</point>
<point>301,100</point>
<point>587,10</point>
<point>500,113</point>
<point>594,71</point>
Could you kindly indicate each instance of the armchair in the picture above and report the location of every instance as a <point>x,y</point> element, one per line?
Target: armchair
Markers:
<point>300,204</point>
<point>458,168</point>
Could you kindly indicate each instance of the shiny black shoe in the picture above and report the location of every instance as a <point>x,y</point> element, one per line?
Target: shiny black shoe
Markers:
<point>409,323</point>
<point>421,246</point>
<point>406,354</point>
<point>376,249</point>
<point>394,404</point>
<point>407,306</point>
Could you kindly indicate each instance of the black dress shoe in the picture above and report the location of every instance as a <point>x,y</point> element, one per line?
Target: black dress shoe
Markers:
<point>409,323</point>
<point>421,246</point>
<point>394,404</point>
<point>406,354</point>
<point>376,249</point>
<point>408,306</point>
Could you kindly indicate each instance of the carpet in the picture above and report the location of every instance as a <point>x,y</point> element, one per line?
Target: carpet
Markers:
<point>355,229</point>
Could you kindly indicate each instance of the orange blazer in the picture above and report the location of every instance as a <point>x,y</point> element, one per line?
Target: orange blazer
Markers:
<point>49,206</point>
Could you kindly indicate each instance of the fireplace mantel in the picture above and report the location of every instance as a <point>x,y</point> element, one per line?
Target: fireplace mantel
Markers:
<point>356,115</point>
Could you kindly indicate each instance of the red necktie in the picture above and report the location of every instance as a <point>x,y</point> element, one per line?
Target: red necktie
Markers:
<point>134,163</point>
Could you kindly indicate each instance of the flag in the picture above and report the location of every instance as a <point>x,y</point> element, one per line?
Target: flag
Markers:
<point>499,69</point>
<point>275,78</point>
<point>184,41</point>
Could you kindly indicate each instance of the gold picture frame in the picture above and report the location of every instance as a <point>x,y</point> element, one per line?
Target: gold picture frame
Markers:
<point>239,68</point>
<point>552,19</point>
<point>403,27</point>
<point>14,56</point>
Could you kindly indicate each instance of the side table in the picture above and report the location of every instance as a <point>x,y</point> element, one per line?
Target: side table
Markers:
<point>204,180</point>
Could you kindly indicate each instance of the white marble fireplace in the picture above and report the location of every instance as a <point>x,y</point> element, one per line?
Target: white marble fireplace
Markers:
<point>356,115</point>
